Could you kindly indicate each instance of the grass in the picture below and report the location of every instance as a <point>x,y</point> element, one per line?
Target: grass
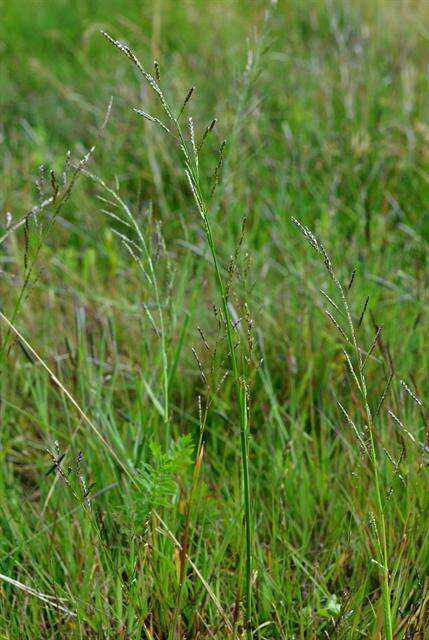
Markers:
<point>214,421</point>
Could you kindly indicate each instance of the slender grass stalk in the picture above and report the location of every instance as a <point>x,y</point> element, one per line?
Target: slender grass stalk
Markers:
<point>191,168</point>
<point>193,178</point>
<point>149,274</point>
<point>185,541</point>
<point>57,201</point>
<point>359,378</point>
<point>382,544</point>
<point>192,172</point>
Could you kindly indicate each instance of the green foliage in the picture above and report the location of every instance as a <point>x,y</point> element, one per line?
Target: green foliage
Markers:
<point>157,478</point>
<point>131,294</point>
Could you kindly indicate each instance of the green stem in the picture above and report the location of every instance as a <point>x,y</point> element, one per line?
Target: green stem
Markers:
<point>244,433</point>
<point>385,584</point>
<point>388,627</point>
<point>238,383</point>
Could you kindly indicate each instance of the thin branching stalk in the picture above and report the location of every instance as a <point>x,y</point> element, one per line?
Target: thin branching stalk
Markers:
<point>193,178</point>
<point>148,271</point>
<point>381,535</point>
<point>357,372</point>
<point>191,168</point>
<point>57,201</point>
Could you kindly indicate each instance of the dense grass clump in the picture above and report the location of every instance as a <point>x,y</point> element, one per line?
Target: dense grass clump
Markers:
<point>213,324</point>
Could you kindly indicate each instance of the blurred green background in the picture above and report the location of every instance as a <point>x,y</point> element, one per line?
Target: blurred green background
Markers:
<point>325,111</point>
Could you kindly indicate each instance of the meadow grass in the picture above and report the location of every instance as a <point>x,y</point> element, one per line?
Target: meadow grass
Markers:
<point>214,312</point>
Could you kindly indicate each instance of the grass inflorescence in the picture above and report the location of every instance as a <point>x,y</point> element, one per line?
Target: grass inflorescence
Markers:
<point>214,418</point>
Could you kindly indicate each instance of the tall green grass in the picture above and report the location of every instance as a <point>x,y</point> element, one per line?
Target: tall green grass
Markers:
<point>207,429</point>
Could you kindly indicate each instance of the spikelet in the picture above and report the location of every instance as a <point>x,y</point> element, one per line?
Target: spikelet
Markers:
<point>207,130</point>
<point>410,393</point>
<point>218,168</point>
<point>148,77</point>
<point>318,246</point>
<point>154,119</point>
<point>186,100</point>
